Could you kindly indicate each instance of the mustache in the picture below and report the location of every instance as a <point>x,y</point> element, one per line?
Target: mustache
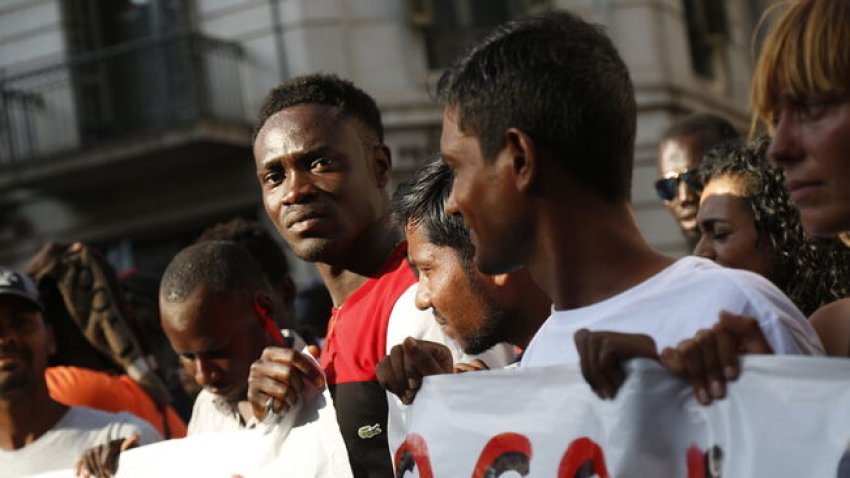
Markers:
<point>296,214</point>
<point>13,350</point>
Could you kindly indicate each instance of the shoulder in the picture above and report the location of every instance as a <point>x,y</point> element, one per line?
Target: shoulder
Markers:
<point>832,323</point>
<point>746,293</point>
<point>744,286</point>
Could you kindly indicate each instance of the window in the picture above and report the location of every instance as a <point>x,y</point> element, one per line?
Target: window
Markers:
<point>450,26</point>
<point>707,34</point>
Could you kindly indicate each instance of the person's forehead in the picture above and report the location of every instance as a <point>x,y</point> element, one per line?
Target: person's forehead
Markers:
<point>680,153</point>
<point>452,138</point>
<point>203,310</point>
<point>18,305</point>
<point>725,184</point>
<point>420,249</point>
<point>303,126</point>
<point>722,201</point>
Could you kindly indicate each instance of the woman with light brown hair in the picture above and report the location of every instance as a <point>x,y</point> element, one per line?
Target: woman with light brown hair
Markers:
<point>801,94</point>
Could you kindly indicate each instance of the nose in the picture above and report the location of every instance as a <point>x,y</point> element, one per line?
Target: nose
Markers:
<point>784,148</point>
<point>423,297</point>
<point>451,204</point>
<point>684,194</point>
<point>7,332</point>
<point>298,187</point>
<point>704,249</point>
<point>206,373</point>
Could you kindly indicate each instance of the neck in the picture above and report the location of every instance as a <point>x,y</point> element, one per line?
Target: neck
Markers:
<point>27,415</point>
<point>361,260</point>
<point>532,309</point>
<point>584,255</point>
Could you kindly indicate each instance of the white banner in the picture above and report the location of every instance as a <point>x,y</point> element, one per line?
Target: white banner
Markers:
<point>305,443</point>
<point>785,417</point>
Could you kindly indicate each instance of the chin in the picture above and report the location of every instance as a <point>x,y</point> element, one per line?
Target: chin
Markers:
<point>825,224</point>
<point>313,249</point>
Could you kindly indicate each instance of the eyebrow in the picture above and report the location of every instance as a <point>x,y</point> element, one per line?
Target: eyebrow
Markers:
<point>308,155</point>
<point>712,221</point>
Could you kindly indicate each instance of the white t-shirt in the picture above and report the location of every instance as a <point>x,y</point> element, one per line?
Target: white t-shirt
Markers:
<point>78,430</point>
<point>212,414</point>
<point>672,306</point>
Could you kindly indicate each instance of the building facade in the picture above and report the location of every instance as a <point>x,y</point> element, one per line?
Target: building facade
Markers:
<point>127,123</point>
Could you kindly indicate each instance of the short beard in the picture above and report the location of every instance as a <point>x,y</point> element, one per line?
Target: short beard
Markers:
<point>492,328</point>
<point>314,250</point>
<point>22,380</point>
<point>14,384</point>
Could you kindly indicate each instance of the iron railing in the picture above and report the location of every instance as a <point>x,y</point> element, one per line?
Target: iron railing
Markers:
<point>139,87</point>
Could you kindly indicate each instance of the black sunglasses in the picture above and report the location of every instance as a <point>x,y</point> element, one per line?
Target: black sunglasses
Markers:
<point>667,188</point>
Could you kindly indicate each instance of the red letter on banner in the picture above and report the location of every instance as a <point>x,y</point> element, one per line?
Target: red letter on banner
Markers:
<point>506,451</point>
<point>413,454</point>
<point>583,459</point>
<point>704,465</point>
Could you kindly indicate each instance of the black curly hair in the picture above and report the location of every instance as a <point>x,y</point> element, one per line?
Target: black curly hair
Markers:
<point>322,89</point>
<point>811,271</point>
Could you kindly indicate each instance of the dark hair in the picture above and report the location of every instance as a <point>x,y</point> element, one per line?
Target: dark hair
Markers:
<point>322,89</point>
<point>256,239</point>
<point>712,130</point>
<point>222,266</point>
<point>811,271</point>
<point>559,79</point>
<point>420,202</point>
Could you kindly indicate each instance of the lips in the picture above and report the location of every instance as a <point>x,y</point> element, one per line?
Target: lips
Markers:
<point>293,218</point>
<point>799,190</point>
<point>9,358</point>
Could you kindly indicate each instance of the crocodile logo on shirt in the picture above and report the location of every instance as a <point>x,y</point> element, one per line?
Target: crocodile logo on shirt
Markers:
<point>369,431</point>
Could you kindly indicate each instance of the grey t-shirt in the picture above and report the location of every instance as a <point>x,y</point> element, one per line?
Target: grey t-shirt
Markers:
<point>78,430</point>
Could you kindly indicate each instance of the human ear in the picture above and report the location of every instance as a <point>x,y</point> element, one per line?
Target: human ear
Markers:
<point>524,156</point>
<point>382,164</point>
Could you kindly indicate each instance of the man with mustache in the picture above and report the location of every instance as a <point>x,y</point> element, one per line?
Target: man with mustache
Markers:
<point>324,170</point>
<point>477,310</point>
<point>37,433</point>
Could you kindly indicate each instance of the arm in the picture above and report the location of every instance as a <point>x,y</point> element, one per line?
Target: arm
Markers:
<point>279,375</point>
<point>102,460</point>
<point>603,353</point>
<point>710,359</point>
<point>401,371</point>
<point>832,324</point>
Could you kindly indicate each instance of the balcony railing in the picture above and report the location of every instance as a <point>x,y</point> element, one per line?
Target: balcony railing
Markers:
<point>134,88</point>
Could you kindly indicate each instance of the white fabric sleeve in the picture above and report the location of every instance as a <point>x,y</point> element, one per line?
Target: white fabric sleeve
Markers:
<point>408,321</point>
<point>786,328</point>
